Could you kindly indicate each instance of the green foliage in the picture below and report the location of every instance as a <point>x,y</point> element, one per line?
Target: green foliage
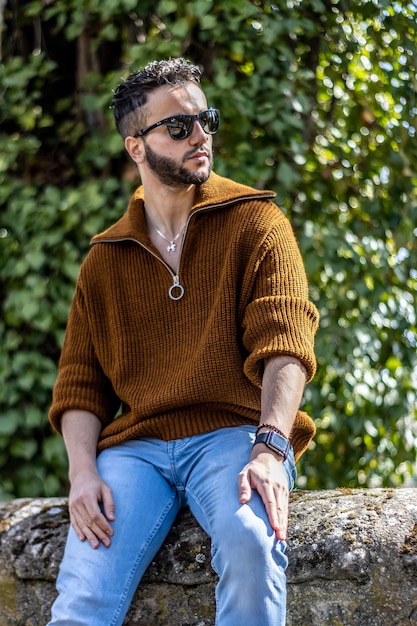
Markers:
<point>318,103</point>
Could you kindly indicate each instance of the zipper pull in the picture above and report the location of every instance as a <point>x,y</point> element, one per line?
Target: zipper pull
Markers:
<point>176,291</point>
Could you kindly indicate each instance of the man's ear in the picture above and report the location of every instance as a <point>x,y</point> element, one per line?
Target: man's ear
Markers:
<point>135,149</point>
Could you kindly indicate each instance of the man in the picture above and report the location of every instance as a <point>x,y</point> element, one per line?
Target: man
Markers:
<point>190,333</point>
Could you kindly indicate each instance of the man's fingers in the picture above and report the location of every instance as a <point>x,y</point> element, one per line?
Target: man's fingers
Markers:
<point>96,530</point>
<point>281,507</point>
<point>91,525</point>
<point>244,486</point>
<point>108,505</point>
<point>282,520</point>
<point>273,494</point>
<point>266,492</point>
<point>81,536</point>
<point>269,499</point>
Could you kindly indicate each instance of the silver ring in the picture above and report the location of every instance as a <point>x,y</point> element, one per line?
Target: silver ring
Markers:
<point>171,292</point>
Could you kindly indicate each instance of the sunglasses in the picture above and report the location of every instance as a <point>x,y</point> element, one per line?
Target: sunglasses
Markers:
<point>181,126</point>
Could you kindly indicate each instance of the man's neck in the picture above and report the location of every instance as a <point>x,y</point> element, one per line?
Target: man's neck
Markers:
<point>168,207</point>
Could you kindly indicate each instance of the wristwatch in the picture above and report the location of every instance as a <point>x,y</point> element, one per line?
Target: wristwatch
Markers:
<point>275,442</point>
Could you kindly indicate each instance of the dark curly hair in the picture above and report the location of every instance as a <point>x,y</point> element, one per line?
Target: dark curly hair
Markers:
<point>131,95</point>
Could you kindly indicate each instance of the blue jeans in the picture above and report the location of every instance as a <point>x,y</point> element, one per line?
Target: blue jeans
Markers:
<point>151,480</point>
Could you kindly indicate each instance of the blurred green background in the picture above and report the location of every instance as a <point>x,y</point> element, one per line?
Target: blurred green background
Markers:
<point>318,102</point>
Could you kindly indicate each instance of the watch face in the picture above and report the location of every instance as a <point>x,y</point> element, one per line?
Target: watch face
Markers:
<point>275,442</point>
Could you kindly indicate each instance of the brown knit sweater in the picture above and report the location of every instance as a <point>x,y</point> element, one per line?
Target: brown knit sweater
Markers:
<point>147,365</point>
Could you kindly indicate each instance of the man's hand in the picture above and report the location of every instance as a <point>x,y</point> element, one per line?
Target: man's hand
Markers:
<point>265,474</point>
<point>90,520</point>
<point>91,503</point>
<point>283,383</point>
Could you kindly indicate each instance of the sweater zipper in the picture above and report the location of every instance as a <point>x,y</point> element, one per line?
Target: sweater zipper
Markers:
<point>176,291</point>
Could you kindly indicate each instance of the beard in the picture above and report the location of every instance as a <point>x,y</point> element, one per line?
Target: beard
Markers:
<point>171,172</point>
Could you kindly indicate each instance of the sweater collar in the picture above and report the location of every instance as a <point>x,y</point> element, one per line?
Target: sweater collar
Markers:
<point>215,192</point>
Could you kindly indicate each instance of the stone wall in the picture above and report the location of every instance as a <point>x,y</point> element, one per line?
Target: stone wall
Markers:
<point>353,562</point>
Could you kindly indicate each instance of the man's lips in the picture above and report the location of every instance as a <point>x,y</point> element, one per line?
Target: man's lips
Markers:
<point>199,155</point>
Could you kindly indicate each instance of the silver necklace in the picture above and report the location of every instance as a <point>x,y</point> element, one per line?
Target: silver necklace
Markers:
<point>172,247</point>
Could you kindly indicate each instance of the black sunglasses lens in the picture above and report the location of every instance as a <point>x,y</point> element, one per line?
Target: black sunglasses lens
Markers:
<point>210,121</point>
<point>180,126</point>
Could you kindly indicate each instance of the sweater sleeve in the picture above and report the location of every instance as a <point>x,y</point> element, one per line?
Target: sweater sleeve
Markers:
<point>279,319</point>
<point>81,383</point>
